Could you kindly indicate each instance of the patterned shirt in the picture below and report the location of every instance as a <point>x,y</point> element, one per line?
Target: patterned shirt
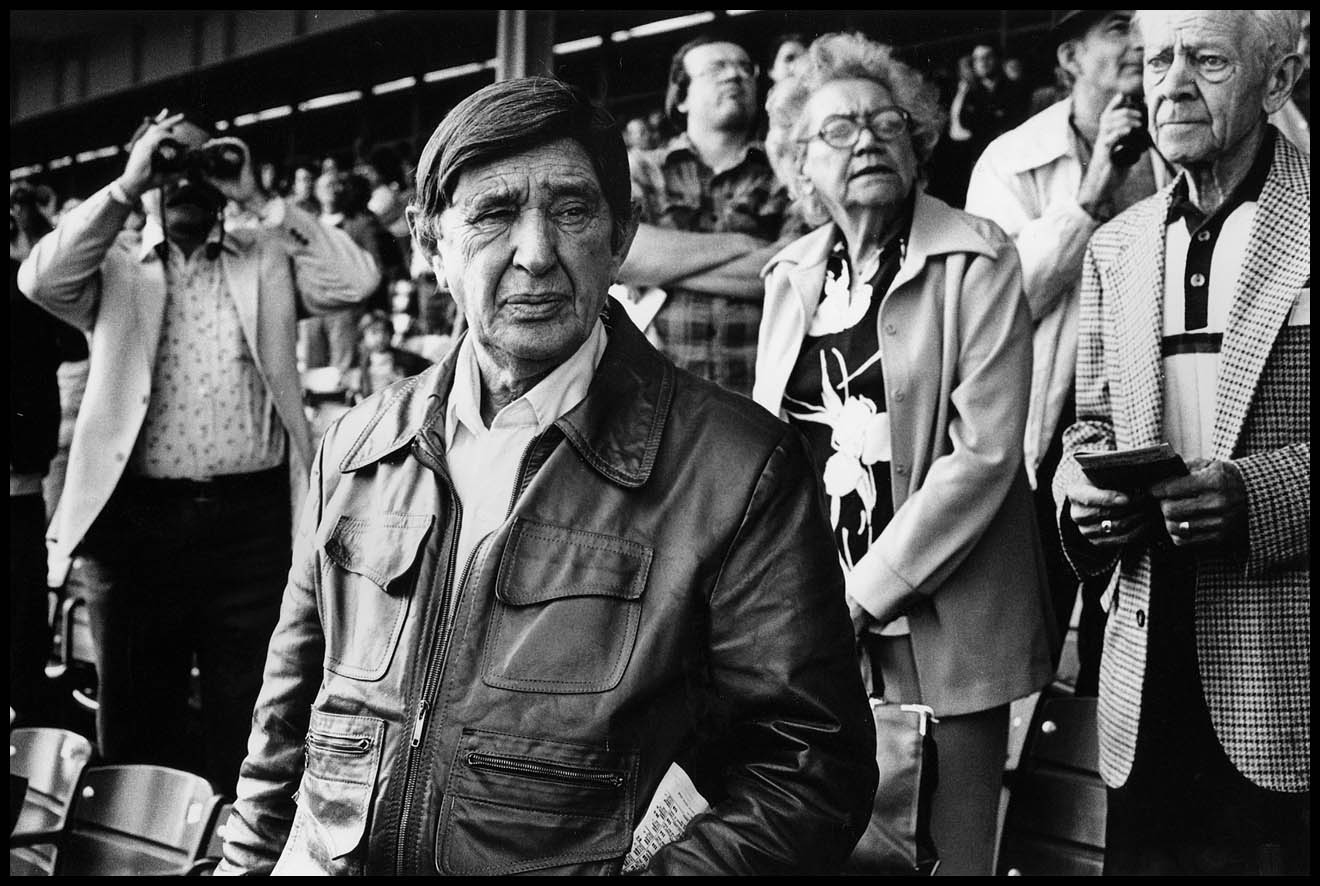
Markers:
<point>709,335</point>
<point>210,413</point>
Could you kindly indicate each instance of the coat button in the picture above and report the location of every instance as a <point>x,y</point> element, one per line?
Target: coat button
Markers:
<point>1203,236</point>
<point>1141,618</point>
<point>1198,280</point>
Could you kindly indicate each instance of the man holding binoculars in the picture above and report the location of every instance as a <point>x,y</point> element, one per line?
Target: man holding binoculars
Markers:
<point>1050,184</point>
<point>191,449</point>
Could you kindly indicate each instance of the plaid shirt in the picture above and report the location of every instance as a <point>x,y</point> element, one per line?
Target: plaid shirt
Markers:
<point>710,335</point>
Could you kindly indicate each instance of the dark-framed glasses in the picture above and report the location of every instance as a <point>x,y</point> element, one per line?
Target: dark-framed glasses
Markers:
<point>843,130</point>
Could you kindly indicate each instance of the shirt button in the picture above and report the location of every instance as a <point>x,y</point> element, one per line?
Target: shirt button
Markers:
<point>1141,618</point>
<point>899,395</point>
<point>1198,280</point>
<point>1203,236</point>
<point>900,468</point>
<point>890,329</point>
<point>119,456</point>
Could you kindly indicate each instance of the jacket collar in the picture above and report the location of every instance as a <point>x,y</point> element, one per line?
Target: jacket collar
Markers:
<point>153,240</point>
<point>682,144</point>
<point>1042,139</point>
<point>616,429</point>
<point>937,229</point>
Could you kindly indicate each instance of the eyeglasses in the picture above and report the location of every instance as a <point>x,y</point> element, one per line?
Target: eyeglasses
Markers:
<point>716,69</point>
<point>843,130</point>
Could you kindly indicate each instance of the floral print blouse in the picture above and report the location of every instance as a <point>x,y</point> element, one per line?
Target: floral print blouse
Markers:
<point>836,397</point>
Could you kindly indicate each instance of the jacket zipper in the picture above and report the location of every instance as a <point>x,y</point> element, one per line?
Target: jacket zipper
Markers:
<point>538,769</point>
<point>436,664</point>
<point>339,744</point>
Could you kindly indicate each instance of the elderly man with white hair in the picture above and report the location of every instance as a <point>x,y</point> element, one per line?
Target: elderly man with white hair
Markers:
<point>1195,331</point>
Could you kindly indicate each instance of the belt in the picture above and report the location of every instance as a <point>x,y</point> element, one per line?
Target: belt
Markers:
<point>212,487</point>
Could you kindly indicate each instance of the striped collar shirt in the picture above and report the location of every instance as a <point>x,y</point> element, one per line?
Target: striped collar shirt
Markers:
<point>1203,258</point>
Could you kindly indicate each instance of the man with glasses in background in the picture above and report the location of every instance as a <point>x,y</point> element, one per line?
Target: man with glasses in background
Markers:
<point>712,211</point>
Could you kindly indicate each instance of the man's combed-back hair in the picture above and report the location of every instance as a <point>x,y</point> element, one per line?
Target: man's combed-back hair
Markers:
<point>506,118</point>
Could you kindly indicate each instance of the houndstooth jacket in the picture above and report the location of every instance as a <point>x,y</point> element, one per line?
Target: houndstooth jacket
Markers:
<point>1253,615</point>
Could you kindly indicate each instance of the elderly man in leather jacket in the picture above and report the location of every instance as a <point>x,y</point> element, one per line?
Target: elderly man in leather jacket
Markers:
<point>533,577</point>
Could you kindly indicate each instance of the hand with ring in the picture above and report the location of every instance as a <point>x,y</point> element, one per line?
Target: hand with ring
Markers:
<point>1107,518</point>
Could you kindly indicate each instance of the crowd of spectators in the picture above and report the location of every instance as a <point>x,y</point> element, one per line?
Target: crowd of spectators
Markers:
<point>943,422</point>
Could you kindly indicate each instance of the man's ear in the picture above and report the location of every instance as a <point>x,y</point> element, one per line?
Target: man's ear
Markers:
<point>1066,53</point>
<point>1281,80</point>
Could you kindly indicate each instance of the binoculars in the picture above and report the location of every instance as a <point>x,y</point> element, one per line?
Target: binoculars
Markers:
<point>210,161</point>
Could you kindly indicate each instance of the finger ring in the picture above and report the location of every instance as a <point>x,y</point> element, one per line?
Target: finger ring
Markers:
<point>1106,527</point>
<point>1184,526</point>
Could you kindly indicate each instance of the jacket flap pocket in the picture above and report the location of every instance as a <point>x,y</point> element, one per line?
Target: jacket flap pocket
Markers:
<point>543,562</point>
<point>567,804</point>
<point>380,549</point>
<point>343,759</point>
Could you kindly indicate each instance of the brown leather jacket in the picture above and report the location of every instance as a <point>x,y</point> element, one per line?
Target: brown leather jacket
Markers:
<point>664,587</point>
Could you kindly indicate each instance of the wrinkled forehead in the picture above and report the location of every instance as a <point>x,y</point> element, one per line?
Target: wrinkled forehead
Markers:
<point>850,96</point>
<point>709,53</point>
<point>1164,26</point>
<point>559,168</point>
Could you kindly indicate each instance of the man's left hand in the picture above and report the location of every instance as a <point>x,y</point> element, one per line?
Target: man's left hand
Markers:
<point>1208,506</point>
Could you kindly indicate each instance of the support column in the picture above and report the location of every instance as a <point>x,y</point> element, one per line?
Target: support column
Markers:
<point>524,44</point>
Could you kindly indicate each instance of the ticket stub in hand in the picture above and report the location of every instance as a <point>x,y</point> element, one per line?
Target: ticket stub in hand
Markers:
<point>1131,470</point>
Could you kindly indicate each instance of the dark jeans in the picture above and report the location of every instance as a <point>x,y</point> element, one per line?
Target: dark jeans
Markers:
<point>168,573</point>
<point>1185,808</point>
<point>29,618</point>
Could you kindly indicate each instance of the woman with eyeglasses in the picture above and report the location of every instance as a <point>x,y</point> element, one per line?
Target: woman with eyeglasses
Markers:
<point>897,339</point>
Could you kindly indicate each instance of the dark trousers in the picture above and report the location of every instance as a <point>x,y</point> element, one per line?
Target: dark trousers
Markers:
<point>1185,808</point>
<point>1064,583</point>
<point>29,613</point>
<point>171,571</point>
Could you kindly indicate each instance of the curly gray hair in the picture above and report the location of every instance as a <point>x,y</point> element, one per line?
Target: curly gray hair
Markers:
<point>846,56</point>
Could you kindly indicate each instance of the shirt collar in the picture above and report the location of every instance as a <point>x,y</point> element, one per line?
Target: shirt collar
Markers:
<point>1247,191</point>
<point>551,397</point>
<point>154,242</point>
<point>681,143</point>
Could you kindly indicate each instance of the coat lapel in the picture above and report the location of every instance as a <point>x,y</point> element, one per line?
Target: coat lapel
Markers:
<point>150,303</point>
<point>1266,289</point>
<point>1140,319</point>
<point>241,277</point>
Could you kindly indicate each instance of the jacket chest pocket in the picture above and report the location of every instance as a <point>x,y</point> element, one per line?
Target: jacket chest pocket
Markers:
<point>567,606</point>
<point>366,591</point>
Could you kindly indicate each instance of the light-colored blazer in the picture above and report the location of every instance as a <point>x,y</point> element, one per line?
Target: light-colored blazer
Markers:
<point>1253,615</point>
<point>962,552</point>
<point>113,286</point>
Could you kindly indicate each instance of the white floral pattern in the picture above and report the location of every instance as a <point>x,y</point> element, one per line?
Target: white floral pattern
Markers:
<point>860,438</point>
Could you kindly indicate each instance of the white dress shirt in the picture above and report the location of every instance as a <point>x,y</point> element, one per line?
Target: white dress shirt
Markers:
<point>484,462</point>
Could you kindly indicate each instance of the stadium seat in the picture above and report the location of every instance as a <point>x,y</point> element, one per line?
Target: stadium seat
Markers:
<point>137,820</point>
<point>1055,822</point>
<point>52,761</point>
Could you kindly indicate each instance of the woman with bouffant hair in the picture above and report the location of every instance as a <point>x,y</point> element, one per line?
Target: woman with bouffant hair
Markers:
<point>896,338</point>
